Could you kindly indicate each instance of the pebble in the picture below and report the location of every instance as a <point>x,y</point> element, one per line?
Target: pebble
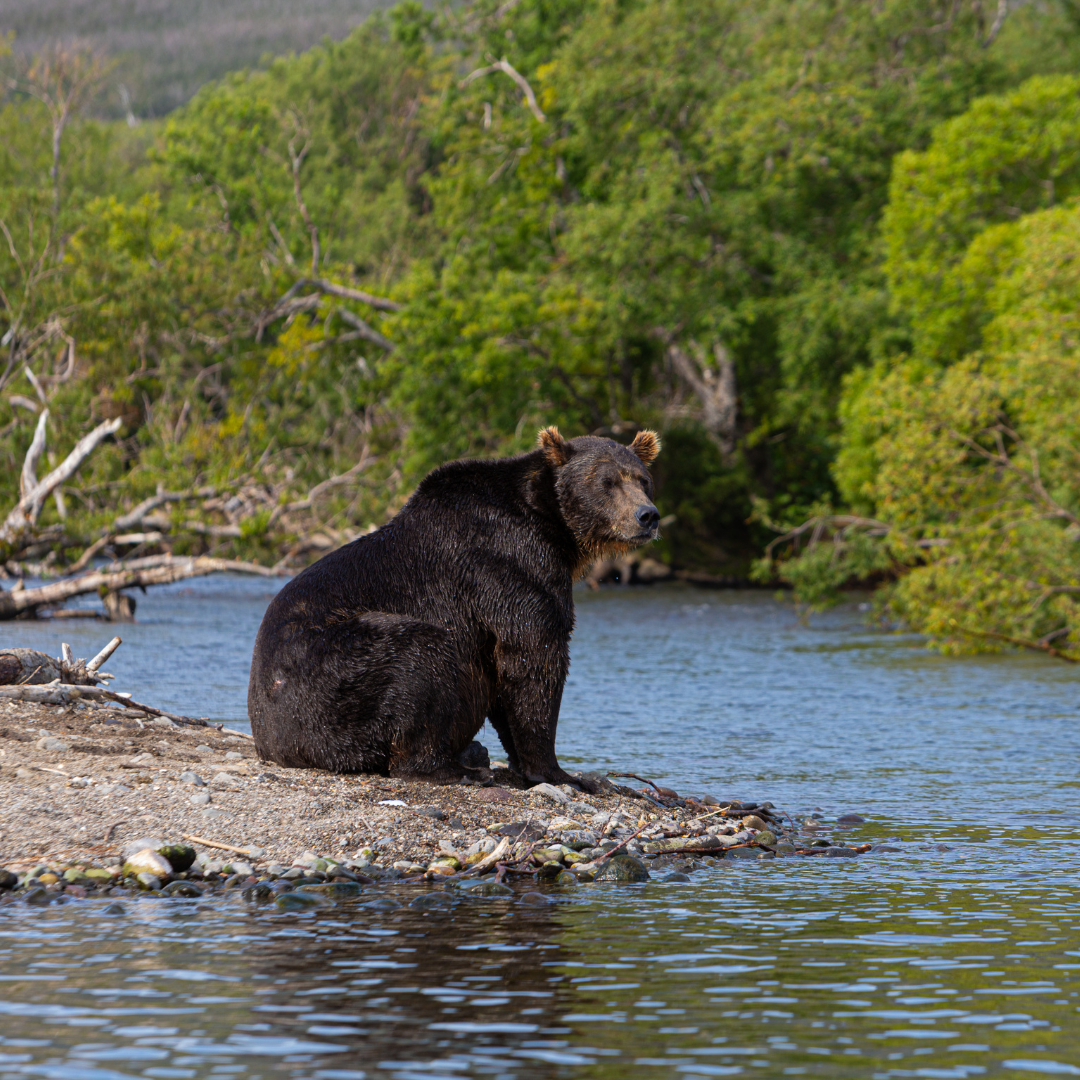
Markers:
<point>162,721</point>
<point>850,819</point>
<point>232,755</point>
<point>200,798</point>
<point>211,813</point>
<point>37,897</point>
<point>677,875</point>
<point>840,853</point>
<point>192,778</point>
<point>8,880</point>
<point>78,782</point>
<point>204,749</point>
<point>115,909</point>
<point>246,869</point>
<point>228,781</point>
<point>149,882</point>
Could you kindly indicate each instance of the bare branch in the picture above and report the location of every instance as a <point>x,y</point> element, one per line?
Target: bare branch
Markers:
<point>363,330</point>
<point>28,480</point>
<point>715,387</point>
<point>25,512</point>
<point>296,157</point>
<point>999,22</point>
<point>507,68</point>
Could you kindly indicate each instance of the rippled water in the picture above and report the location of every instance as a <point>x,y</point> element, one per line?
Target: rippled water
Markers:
<point>955,954</point>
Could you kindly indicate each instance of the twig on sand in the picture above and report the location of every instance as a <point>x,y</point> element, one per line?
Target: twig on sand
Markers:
<point>215,844</point>
<point>666,792</point>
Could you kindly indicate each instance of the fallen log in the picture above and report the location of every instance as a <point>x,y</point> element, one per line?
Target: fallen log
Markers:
<point>157,570</point>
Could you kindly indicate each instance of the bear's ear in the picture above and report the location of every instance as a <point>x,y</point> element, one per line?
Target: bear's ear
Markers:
<point>646,445</point>
<point>556,448</point>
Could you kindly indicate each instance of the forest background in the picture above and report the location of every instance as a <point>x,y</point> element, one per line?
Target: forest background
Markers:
<point>829,248</point>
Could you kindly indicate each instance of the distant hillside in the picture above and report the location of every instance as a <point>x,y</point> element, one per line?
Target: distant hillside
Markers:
<point>167,49</point>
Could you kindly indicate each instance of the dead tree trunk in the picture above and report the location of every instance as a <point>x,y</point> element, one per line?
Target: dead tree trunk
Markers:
<point>716,389</point>
<point>153,571</point>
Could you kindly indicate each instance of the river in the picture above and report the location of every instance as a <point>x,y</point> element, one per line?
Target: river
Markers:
<point>953,953</point>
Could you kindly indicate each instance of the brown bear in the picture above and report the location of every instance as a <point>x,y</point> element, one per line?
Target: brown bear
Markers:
<point>386,655</point>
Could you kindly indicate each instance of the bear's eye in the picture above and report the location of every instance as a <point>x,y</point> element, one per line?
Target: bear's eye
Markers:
<point>608,483</point>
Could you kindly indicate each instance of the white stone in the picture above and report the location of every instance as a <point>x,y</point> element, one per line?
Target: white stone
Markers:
<point>148,861</point>
<point>227,780</point>
<point>50,743</point>
<point>550,791</point>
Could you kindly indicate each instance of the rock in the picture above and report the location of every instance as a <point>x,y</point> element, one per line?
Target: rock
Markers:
<point>233,755</point>
<point>383,903</point>
<point>148,882</point>
<point>143,759</point>
<point>115,909</point>
<point>446,860</point>
<point>51,743</point>
<point>623,869</point>
<point>162,721</point>
<point>785,847</point>
<point>200,798</point>
<point>486,888</point>
<point>566,878</point>
<point>275,870</point>
<point>148,861</point>
<point>407,866</point>
<point>186,889</point>
<point>49,878</point>
<point>676,875</point>
<point>243,868</point>
<point>75,892</point>
<point>8,880</point>
<point>237,881</point>
<point>850,819</point>
<point>144,842</point>
<point>766,838</point>
<point>37,897</point>
<point>493,795</point>
<point>227,781</point>
<point>211,813</point>
<point>292,874</point>
<point>300,901</point>
<point>522,830</point>
<point>97,874</point>
<point>535,899</point>
<point>73,874</point>
<point>192,778</point>
<point>483,847</point>
<point>752,821</point>
<point>841,853</point>
<point>202,748</point>
<point>258,893</point>
<point>336,889</point>
<point>180,856</point>
<point>432,812</point>
<point>78,782</point>
<point>255,852</point>
<point>688,843</point>
<point>551,792</point>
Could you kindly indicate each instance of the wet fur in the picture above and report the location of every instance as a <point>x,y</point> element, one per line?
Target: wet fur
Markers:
<point>387,655</point>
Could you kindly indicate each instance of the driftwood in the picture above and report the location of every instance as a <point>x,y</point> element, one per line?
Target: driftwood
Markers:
<point>154,570</point>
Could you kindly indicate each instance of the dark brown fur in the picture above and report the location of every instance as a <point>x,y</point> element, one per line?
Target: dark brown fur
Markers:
<point>387,654</point>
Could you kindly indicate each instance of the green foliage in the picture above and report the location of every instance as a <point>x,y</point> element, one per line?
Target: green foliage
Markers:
<point>726,221</point>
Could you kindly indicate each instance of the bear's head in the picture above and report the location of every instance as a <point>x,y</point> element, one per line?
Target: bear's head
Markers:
<point>604,489</point>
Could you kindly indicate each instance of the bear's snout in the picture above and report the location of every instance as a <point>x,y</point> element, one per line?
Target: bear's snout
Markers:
<point>647,516</point>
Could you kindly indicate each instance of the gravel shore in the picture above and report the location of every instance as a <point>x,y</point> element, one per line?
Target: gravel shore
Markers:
<point>83,786</point>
